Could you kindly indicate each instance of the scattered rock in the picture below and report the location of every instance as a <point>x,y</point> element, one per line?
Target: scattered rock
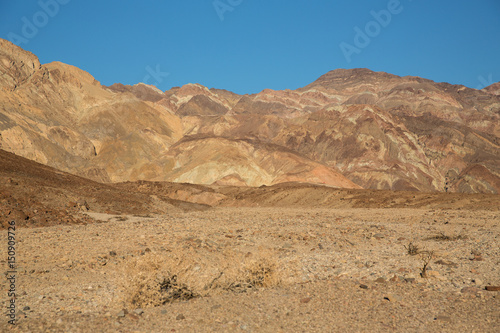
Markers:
<point>180,317</point>
<point>477,282</point>
<point>17,215</point>
<point>393,298</point>
<point>380,280</point>
<point>26,308</point>
<point>122,313</point>
<point>83,205</point>
<point>305,300</point>
<point>138,311</point>
<point>492,288</point>
<point>443,318</point>
<point>395,278</point>
<point>112,253</point>
<point>472,290</point>
<point>369,264</point>
<point>133,316</point>
<point>432,274</point>
<point>363,286</point>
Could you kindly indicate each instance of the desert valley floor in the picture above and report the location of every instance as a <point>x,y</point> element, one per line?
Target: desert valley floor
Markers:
<point>261,269</point>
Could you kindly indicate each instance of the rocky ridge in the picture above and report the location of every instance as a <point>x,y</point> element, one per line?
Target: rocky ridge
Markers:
<point>350,128</point>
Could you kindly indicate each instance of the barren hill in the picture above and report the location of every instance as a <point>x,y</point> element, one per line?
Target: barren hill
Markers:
<point>350,128</point>
<point>35,195</point>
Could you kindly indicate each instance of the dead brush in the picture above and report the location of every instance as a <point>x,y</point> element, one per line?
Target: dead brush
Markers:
<point>260,273</point>
<point>161,291</point>
<point>426,257</point>
<point>412,249</point>
<point>153,280</point>
<point>171,290</point>
<point>443,237</point>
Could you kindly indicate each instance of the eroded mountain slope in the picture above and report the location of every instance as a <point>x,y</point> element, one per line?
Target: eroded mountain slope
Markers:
<point>348,128</point>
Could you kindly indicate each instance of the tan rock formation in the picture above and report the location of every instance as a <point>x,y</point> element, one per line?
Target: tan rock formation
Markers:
<point>379,130</point>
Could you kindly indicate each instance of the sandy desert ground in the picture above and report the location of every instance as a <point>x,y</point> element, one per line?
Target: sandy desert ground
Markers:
<point>251,269</point>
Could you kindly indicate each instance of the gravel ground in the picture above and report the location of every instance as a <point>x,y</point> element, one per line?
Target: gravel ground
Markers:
<point>261,270</point>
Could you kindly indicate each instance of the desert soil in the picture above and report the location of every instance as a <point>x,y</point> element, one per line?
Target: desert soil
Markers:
<point>261,270</point>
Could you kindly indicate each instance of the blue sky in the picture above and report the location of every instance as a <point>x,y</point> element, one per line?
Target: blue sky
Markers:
<point>248,45</point>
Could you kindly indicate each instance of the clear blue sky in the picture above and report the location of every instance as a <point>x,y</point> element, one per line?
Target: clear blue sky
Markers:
<point>259,44</point>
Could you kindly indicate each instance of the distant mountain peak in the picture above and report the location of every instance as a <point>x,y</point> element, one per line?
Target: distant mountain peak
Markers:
<point>341,77</point>
<point>493,89</point>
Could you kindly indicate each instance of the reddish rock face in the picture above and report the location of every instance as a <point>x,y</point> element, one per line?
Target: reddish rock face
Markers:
<point>349,128</point>
<point>379,130</point>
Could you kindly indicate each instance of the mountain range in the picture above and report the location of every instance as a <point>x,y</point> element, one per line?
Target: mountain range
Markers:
<point>351,128</point>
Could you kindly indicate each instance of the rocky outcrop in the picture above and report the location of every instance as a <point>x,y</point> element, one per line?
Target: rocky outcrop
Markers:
<point>16,65</point>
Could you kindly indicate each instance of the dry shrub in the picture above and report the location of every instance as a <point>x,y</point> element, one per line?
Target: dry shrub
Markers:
<point>154,280</point>
<point>252,271</point>
<point>426,257</point>
<point>412,249</point>
<point>443,237</point>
